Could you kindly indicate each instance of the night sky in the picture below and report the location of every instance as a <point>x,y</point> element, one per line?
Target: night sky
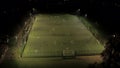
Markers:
<point>105,12</point>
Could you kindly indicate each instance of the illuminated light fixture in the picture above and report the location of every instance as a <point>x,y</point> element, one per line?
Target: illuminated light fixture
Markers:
<point>86,15</point>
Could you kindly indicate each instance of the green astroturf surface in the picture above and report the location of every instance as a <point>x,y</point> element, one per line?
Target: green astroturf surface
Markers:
<point>51,34</point>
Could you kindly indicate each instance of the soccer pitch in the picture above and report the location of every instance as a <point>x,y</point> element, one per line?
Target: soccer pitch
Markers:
<point>53,33</point>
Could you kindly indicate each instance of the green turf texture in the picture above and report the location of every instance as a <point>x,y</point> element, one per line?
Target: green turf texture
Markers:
<point>51,34</point>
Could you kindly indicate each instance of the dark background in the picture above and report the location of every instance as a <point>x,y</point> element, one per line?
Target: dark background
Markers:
<point>105,12</point>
